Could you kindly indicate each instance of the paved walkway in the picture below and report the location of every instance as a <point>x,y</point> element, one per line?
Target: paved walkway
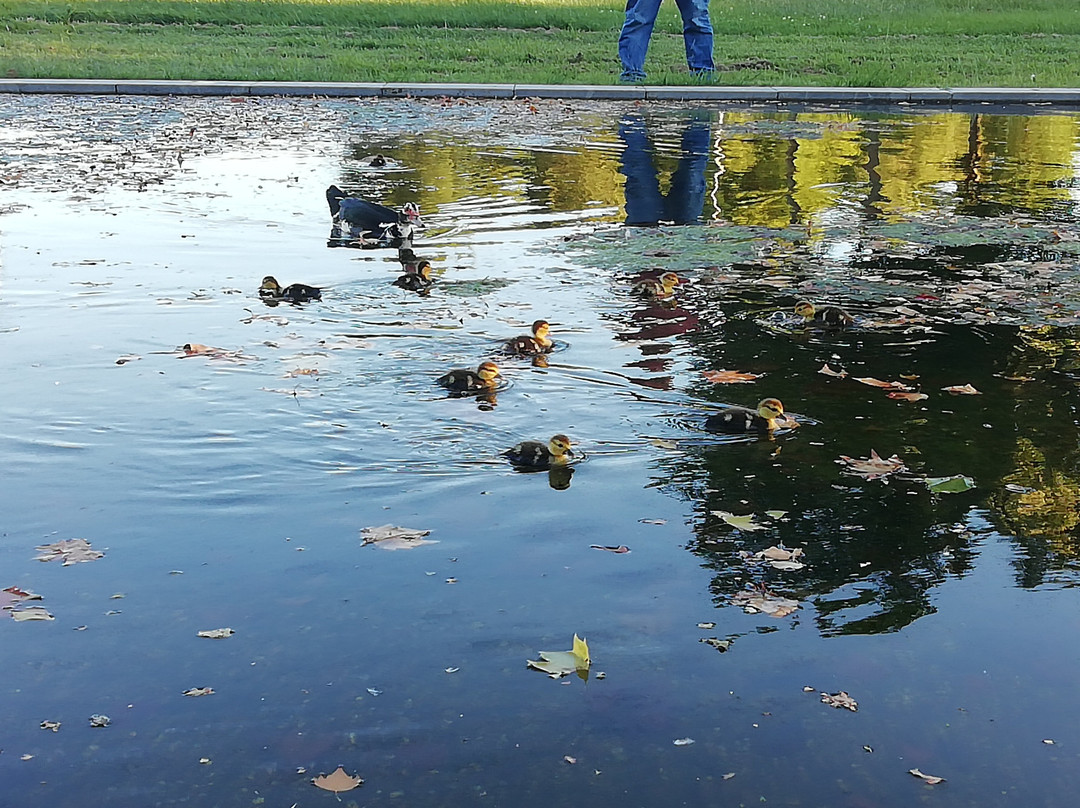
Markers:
<point>848,95</point>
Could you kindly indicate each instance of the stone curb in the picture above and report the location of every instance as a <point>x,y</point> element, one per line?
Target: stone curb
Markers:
<point>847,95</point>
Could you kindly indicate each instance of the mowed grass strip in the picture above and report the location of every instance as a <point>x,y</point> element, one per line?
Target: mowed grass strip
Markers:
<point>814,43</point>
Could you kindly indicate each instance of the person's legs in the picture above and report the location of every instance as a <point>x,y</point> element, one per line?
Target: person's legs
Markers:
<point>697,34</point>
<point>634,39</point>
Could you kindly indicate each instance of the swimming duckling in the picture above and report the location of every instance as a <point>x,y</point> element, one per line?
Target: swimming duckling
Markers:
<point>744,419</point>
<point>538,343</point>
<point>470,381</point>
<point>293,293</point>
<point>417,281</point>
<point>533,453</point>
<point>664,286</point>
<point>828,315</point>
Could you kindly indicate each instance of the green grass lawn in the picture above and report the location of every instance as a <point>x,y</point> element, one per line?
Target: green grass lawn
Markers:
<point>817,42</point>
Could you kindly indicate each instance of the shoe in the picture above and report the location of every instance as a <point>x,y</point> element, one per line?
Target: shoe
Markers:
<point>631,77</point>
<point>706,75</point>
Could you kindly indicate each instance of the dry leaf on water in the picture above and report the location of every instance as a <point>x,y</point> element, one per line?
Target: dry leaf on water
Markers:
<point>870,380</point>
<point>13,595</point>
<point>53,725</point>
<point>765,602</point>
<point>391,537</point>
<point>557,664</point>
<point>622,548</point>
<point>836,374</point>
<point>872,467</point>
<point>717,643</point>
<point>901,396</point>
<point>217,633</point>
<point>337,781</point>
<point>100,720</point>
<point>32,613</point>
<point>781,558</point>
<point>962,389</point>
<point>71,550</point>
<point>683,741</point>
<point>730,376</point>
<point>840,700</point>
<point>199,691</point>
<point>927,778</point>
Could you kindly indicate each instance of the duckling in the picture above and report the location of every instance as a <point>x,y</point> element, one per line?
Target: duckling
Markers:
<point>417,281</point>
<point>533,453</point>
<point>293,293</point>
<point>470,381</point>
<point>538,343</point>
<point>661,287</point>
<point>828,315</point>
<point>744,419</point>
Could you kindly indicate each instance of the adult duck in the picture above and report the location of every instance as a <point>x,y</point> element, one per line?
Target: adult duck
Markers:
<point>535,454</point>
<point>744,419</point>
<point>463,380</point>
<point>532,344</point>
<point>373,221</point>
<point>418,281</point>
<point>271,290</point>
<point>827,315</point>
<point>656,288</point>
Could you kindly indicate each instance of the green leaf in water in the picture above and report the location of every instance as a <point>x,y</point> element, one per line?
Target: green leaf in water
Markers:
<point>949,485</point>
<point>739,522</point>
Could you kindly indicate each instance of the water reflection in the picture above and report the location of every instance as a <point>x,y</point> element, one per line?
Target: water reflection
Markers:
<point>645,204</point>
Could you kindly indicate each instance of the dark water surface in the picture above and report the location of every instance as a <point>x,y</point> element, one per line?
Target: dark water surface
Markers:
<point>229,489</point>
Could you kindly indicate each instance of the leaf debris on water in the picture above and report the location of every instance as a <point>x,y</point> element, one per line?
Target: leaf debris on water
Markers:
<point>199,691</point>
<point>683,741</point>
<point>337,781</point>
<point>927,778</point>
<point>840,700</point>
<point>53,725</point>
<point>216,633</point>
<point>71,551</point>
<point>873,467</point>
<point>560,663</point>
<point>391,537</point>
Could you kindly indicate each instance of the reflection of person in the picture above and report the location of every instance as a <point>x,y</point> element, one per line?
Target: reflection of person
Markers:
<point>638,27</point>
<point>645,205</point>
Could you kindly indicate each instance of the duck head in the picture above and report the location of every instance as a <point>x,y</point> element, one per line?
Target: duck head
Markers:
<point>540,331</point>
<point>410,214</point>
<point>770,409</point>
<point>559,446</point>
<point>487,371</point>
<point>669,280</point>
<point>423,269</point>
<point>270,287</point>
<point>805,309</point>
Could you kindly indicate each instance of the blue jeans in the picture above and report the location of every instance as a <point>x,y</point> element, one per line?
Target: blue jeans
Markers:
<point>638,26</point>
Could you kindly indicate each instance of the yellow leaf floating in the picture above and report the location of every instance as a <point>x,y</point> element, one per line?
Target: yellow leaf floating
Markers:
<point>560,663</point>
<point>337,781</point>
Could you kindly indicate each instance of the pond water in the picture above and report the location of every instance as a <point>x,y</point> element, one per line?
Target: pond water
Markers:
<point>228,488</point>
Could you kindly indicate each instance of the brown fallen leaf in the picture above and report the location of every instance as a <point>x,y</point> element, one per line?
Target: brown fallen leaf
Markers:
<point>622,548</point>
<point>901,396</point>
<point>337,781</point>
<point>840,700</point>
<point>717,643</point>
<point>872,467</point>
<point>730,376</point>
<point>199,691</point>
<point>836,374</point>
<point>53,725</point>
<point>870,380</point>
<point>216,633</point>
<point>765,602</point>
<point>32,613</point>
<point>71,551</point>
<point>927,778</point>
<point>962,389</point>
<point>12,595</point>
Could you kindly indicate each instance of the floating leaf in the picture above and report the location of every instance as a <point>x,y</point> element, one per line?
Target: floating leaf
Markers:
<point>53,725</point>
<point>337,781</point>
<point>927,778</point>
<point>776,514</point>
<point>71,551</point>
<point>100,720</point>
<point>391,537</point>
<point>715,642</point>
<point>739,522</point>
<point>840,700</point>
<point>836,374</point>
<point>962,389</point>
<point>901,396</point>
<point>32,613</point>
<point>707,625</point>
<point>730,376</point>
<point>683,741</point>
<point>622,548</point>
<point>886,385</point>
<point>765,602</point>
<point>217,633</point>
<point>13,595</point>
<point>560,663</point>
<point>872,467</point>
<point>199,691</point>
<point>956,484</point>
<point>653,521</point>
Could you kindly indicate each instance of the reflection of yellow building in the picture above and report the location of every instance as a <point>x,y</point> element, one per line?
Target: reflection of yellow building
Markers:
<point>777,169</point>
<point>1046,504</point>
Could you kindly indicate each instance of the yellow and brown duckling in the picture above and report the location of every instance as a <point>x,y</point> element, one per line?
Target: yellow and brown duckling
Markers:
<point>826,315</point>
<point>532,344</point>
<point>418,281</point>
<point>271,290</point>
<point>537,455</point>
<point>656,288</point>
<point>744,419</point>
<point>463,380</point>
